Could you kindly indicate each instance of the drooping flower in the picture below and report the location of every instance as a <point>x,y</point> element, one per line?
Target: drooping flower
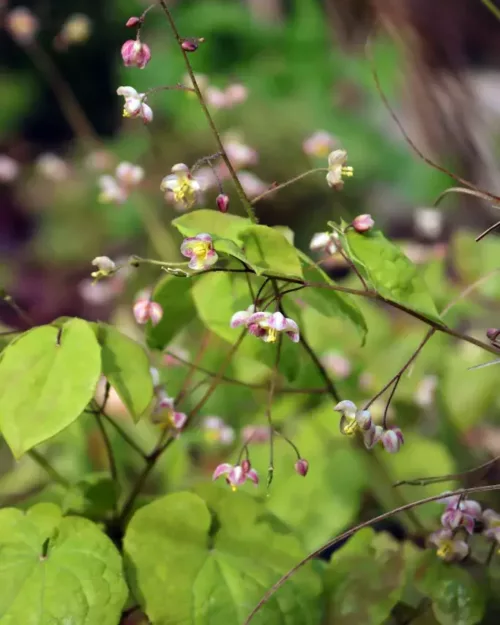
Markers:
<point>266,325</point>
<point>460,512</point>
<point>352,419</point>
<point>146,310</point>
<point>450,545</point>
<point>319,144</point>
<point>363,223</point>
<point>337,169</point>
<point>492,524</point>
<point>135,104</point>
<point>111,192</point>
<point>200,251</point>
<point>22,25</point>
<point>135,53</point>
<point>165,413</point>
<point>324,241</point>
<point>216,430</point>
<point>302,467</point>
<point>236,475</point>
<point>392,440</point>
<point>181,185</point>
<point>129,175</point>
<point>222,201</point>
<point>105,267</point>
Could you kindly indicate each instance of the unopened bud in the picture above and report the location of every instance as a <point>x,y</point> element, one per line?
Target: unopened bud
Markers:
<point>222,201</point>
<point>132,22</point>
<point>493,334</point>
<point>392,440</point>
<point>190,44</point>
<point>22,25</point>
<point>302,467</point>
<point>135,53</point>
<point>363,223</point>
<point>246,466</point>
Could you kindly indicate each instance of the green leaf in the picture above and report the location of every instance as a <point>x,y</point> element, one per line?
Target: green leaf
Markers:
<point>269,251</point>
<point>126,366</point>
<point>197,562</point>
<point>47,377</point>
<point>328,302</point>
<point>174,296</point>
<point>57,570</point>
<point>94,497</point>
<point>390,272</point>
<point>365,580</point>
<point>217,224</point>
<point>456,598</point>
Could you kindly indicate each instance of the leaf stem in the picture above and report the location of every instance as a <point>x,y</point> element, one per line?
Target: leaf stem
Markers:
<point>287,183</point>
<point>495,10</point>
<point>42,462</point>
<point>239,189</point>
<point>126,437</point>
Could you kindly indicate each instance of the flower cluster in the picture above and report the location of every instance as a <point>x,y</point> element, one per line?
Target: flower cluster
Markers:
<point>354,420</point>
<point>236,475</point>
<point>181,186</point>
<point>135,104</point>
<point>116,189</point>
<point>200,251</point>
<point>146,310</point>
<point>265,325</point>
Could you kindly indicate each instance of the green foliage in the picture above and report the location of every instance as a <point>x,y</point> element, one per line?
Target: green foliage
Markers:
<point>390,272</point>
<point>94,497</point>
<point>57,569</point>
<point>126,366</point>
<point>271,252</point>
<point>223,226</point>
<point>57,371</point>
<point>174,296</point>
<point>457,599</point>
<point>197,559</point>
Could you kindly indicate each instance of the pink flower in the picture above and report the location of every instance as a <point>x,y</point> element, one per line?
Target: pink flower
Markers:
<point>255,433</point>
<point>319,144</point>
<point>392,440</point>
<point>450,547</point>
<point>22,25</point>
<point>181,185</point>
<point>200,251</point>
<point>236,94</point>
<point>135,104</point>
<point>9,168</point>
<point>165,404</point>
<point>302,467</point>
<point>217,431</point>
<point>266,325</point>
<point>145,310</point>
<point>190,44</point>
<point>132,22</point>
<point>222,202</point>
<point>135,53</point>
<point>460,513</point>
<point>236,475</point>
<point>363,223</point>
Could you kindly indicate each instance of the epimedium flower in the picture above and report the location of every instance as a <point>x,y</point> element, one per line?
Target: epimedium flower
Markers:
<point>111,191</point>
<point>181,185</point>
<point>302,467</point>
<point>353,420</point>
<point>129,175</point>
<point>460,513</point>
<point>236,475</point>
<point>392,440</point>
<point>165,413</point>
<point>492,524</point>
<point>324,242</point>
<point>215,430</point>
<point>337,169</point>
<point>145,310</point>
<point>363,223</point>
<point>222,201</point>
<point>200,251</point>
<point>266,325</point>
<point>319,144</point>
<point>135,104</point>
<point>135,53</point>
<point>105,267</point>
<point>449,545</point>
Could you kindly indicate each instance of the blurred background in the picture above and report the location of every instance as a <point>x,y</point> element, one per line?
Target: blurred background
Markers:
<point>303,72</point>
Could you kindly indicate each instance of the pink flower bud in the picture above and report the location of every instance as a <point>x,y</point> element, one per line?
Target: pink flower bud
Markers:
<point>135,53</point>
<point>22,25</point>
<point>222,201</point>
<point>493,334</point>
<point>392,440</point>
<point>363,223</point>
<point>133,21</point>
<point>302,467</point>
<point>246,466</point>
<point>145,310</point>
<point>190,44</point>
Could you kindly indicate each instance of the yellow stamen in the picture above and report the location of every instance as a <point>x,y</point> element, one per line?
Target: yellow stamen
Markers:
<point>445,550</point>
<point>272,335</point>
<point>348,172</point>
<point>200,249</point>
<point>233,488</point>
<point>350,428</point>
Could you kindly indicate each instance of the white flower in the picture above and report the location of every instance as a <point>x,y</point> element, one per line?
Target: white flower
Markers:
<point>319,144</point>
<point>52,167</point>
<point>111,191</point>
<point>129,175</point>
<point>181,185</point>
<point>428,222</point>
<point>337,169</point>
<point>9,168</point>
<point>135,105</point>
<point>324,241</point>
<point>104,263</point>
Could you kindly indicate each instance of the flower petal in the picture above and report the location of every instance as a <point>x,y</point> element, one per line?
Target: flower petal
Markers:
<point>252,476</point>
<point>277,321</point>
<point>222,469</point>
<point>141,311</point>
<point>127,92</point>
<point>179,420</point>
<point>236,476</point>
<point>347,407</point>
<point>155,313</point>
<point>239,318</point>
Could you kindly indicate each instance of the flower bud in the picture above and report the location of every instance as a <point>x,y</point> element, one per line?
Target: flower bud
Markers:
<point>76,29</point>
<point>372,436</point>
<point>135,53</point>
<point>493,334</point>
<point>9,168</point>
<point>190,44</point>
<point>22,25</point>
<point>302,467</point>
<point>222,201</point>
<point>104,264</point>
<point>132,22</point>
<point>364,419</point>
<point>246,466</point>
<point>363,223</point>
<point>392,440</point>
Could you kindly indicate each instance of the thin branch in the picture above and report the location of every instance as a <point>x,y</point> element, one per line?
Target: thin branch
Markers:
<point>239,188</point>
<point>126,437</point>
<point>287,183</point>
<point>48,468</point>
<point>495,10</point>
<point>270,397</point>
<point>424,481</point>
<point>350,532</point>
